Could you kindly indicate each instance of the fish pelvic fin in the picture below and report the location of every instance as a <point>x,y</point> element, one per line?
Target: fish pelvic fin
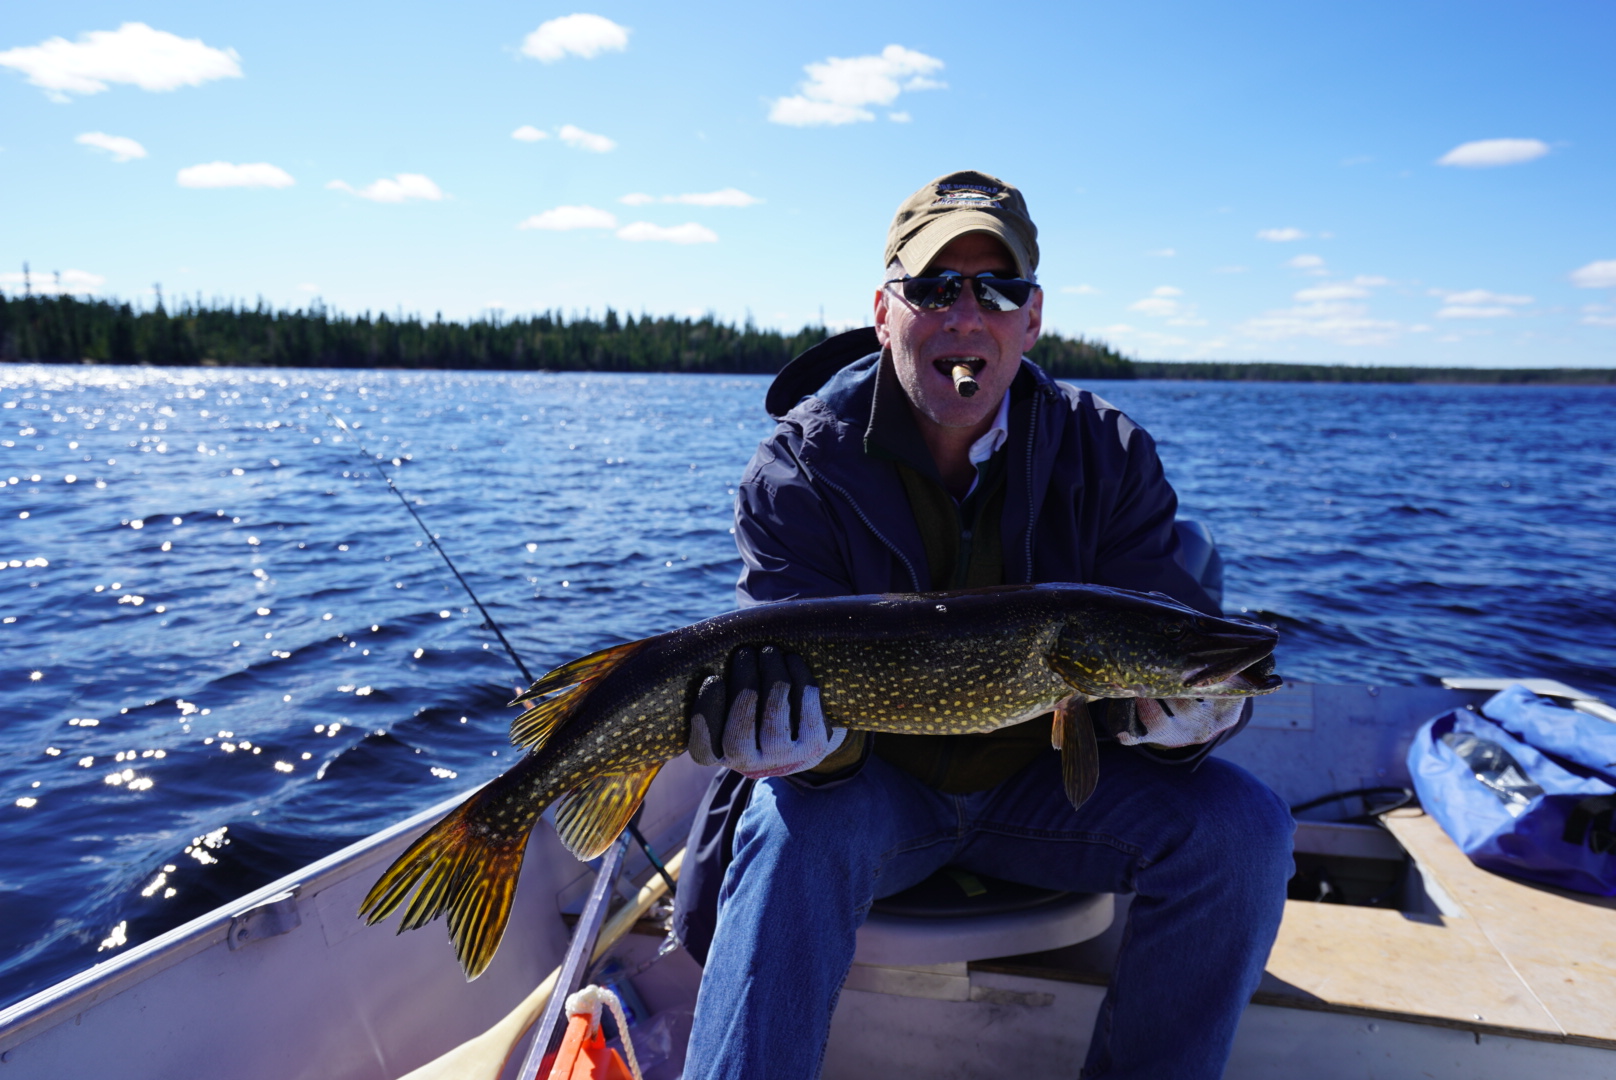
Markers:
<point>1073,733</point>
<point>574,680</point>
<point>459,866</point>
<point>589,817</point>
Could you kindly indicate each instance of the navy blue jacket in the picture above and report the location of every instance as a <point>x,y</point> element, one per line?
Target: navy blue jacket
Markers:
<point>1086,501</point>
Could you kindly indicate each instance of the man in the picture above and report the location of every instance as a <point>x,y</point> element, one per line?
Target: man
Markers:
<point>883,476</point>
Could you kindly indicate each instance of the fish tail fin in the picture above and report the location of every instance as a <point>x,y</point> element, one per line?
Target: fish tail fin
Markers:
<point>589,817</point>
<point>574,680</point>
<point>457,867</point>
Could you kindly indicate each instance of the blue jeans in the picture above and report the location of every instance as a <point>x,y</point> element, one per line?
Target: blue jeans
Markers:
<point>1206,852</point>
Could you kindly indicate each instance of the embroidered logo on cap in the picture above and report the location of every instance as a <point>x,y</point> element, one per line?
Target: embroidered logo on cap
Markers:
<point>983,196</point>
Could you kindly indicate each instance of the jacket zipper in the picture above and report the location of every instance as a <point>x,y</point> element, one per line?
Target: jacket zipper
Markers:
<point>868,524</point>
<point>1032,511</point>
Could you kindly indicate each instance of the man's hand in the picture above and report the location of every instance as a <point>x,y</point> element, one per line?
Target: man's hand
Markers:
<point>777,731</point>
<point>1173,722</point>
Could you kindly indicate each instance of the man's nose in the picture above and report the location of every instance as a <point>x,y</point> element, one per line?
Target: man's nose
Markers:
<point>966,313</point>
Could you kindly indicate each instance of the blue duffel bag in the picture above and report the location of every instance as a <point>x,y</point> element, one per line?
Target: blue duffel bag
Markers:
<point>1524,787</point>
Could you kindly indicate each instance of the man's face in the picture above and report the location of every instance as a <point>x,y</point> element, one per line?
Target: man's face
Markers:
<point>927,344</point>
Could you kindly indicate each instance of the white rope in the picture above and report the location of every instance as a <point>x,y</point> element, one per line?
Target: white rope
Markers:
<point>587,1002</point>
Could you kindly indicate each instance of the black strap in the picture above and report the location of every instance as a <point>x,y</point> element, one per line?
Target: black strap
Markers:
<point>1591,821</point>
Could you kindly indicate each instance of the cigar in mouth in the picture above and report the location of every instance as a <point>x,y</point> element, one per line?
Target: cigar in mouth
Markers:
<point>965,383</point>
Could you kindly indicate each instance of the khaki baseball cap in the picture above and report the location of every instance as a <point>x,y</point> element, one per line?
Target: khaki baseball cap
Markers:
<point>954,205</point>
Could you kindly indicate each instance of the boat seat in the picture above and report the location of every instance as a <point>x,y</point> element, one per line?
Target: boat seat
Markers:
<point>956,916</point>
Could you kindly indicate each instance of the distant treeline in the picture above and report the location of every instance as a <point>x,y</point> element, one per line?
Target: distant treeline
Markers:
<point>62,329</point>
<point>67,330</point>
<point>1261,371</point>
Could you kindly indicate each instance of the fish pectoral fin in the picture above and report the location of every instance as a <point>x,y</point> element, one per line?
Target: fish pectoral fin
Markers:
<point>1080,751</point>
<point>585,669</point>
<point>589,817</point>
<point>574,681</point>
<point>1057,731</point>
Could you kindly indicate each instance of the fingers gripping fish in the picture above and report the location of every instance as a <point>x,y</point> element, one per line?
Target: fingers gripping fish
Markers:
<point>953,663</point>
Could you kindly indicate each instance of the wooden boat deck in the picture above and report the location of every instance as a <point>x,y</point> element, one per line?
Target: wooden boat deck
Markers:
<point>1511,959</point>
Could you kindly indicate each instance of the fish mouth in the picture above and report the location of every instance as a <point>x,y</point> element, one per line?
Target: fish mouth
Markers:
<point>1235,649</point>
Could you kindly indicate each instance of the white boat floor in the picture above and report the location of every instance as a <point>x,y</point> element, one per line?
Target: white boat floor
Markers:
<point>1517,960</point>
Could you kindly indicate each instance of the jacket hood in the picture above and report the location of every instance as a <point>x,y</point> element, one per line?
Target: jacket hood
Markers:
<point>835,372</point>
<point>809,372</point>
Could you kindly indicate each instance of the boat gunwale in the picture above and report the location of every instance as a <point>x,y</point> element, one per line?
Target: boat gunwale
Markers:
<point>99,982</point>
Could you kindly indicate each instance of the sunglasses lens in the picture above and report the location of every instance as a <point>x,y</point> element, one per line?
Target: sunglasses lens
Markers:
<point>932,293</point>
<point>993,293</point>
<point>1002,294</point>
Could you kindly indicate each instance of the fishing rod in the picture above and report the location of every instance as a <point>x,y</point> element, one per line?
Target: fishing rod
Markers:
<point>371,461</point>
<point>488,620</point>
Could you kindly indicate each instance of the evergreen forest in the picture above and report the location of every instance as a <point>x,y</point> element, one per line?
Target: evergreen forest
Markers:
<point>66,329</point>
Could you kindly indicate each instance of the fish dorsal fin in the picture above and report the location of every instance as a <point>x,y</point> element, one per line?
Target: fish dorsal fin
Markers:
<point>1079,750</point>
<point>589,817</point>
<point>533,728</point>
<point>582,670</point>
<point>575,679</point>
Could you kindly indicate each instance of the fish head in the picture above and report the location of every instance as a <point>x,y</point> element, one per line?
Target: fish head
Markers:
<point>1126,644</point>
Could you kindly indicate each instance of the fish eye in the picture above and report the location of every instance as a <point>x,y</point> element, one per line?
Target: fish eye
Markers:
<point>1173,629</point>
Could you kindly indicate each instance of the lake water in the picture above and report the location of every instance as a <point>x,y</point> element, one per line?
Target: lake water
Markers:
<point>226,651</point>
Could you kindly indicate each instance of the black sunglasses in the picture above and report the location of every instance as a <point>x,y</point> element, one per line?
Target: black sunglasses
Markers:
<point>994,293</point>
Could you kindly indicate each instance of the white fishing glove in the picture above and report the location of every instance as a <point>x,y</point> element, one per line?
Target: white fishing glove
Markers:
<point>775,733</point>
<point>1173,722</point>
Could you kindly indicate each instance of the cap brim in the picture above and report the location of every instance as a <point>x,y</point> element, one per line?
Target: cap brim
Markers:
<point>917,253</point>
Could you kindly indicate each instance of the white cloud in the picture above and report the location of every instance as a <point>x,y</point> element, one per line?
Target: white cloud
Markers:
<point>53,284</point>
<point>1480,296</point>
<point>134,54</point>
<point>1306,262</point>
<point>1162,253</point>
<point>839,90</point>
<point>586,140</point>
<point>581,35</point>
<point>1331,292</point>
<point>899,117</point>
<point>1163,303</point>
<point>566,218</point>
<point>222,174</point>
<point>1342,322</point>
<point>528,133</point>
<point>121,147</point>
<point>1478,304</point>
<point>1079,290</point>
<point>1155,306</point>
<point>1596,275</point>
<point>722,197</point>
<point>1599,315</point>
<point>1490,153</point>
<point>1281,236</point>
<point>688,233</point>
<point>1371,280</point>
<point>1474,311</point>
<point>397,189</point>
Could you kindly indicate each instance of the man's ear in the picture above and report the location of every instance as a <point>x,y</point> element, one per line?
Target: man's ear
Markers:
<point>882,332</point>
<point>1035,321</point>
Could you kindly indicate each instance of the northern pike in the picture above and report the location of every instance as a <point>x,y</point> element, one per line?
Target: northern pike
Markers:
<point>946,663</point>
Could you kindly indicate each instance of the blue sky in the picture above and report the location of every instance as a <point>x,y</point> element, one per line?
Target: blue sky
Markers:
<point>1253,181</point>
